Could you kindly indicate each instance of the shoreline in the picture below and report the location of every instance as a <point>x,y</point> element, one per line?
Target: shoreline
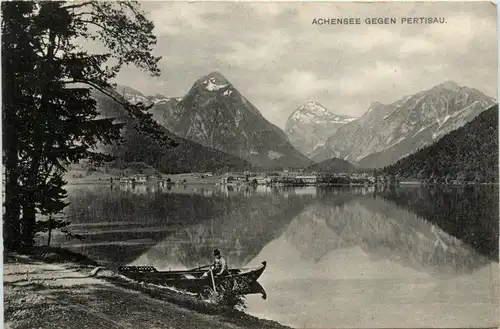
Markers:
<point>204,183</point>
<point>202,179</point>
<point>62,278</point>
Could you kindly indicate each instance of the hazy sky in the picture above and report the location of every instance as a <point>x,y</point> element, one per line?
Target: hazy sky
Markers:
<point>276,57</point>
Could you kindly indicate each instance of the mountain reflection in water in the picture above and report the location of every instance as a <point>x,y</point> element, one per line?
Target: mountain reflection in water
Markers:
<point>338,257</point>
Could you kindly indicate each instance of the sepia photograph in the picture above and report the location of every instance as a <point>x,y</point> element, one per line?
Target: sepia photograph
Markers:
<point>250,164</point>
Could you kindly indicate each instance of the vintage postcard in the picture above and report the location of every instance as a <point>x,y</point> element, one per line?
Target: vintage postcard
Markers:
<point>250,164</point>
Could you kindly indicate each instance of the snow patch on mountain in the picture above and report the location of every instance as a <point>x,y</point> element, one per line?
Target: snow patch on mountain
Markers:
<point>399,140</point>
<point>316,107</point>
<point>319,144</point>
<point>136,99</point>
<point>237,118</point>
<point>313,112</point>
<point>422,129</point>
<point>160,100</point>
<point>164,100</point>
<point>211,85</point>
<point>274,155</point>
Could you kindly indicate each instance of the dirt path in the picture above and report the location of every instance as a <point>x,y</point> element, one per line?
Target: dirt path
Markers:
<point>40,295</point>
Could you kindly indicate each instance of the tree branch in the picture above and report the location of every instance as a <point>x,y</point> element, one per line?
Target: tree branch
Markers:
<point>104,29</point>
<point>92,23</point>
<point>48,173</point>
<point>101,89</point>
<point>83,4</point>
<point>85,13</point>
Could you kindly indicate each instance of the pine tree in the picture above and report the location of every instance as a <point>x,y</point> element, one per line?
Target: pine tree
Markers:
<point>54,120</point>
<point>18,62</point>
<point>50,204</point>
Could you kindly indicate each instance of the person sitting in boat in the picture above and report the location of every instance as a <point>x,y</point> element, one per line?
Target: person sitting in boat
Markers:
<point>220,265</point>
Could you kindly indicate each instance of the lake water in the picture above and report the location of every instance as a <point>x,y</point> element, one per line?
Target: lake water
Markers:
<point>337,257</point>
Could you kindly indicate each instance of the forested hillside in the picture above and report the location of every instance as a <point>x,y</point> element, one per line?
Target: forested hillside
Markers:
<point>469,153</point>
<point>334,165</point>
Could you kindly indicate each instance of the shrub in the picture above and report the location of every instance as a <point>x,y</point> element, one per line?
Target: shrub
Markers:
<point>230,293</point>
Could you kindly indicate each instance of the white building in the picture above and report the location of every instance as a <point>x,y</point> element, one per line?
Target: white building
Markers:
<point>308,179</point>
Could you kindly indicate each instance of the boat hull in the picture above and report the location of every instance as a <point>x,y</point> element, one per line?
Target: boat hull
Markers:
<point>194,280</point>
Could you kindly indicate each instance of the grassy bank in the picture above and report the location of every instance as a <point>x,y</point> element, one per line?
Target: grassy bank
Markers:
<point>195,304</point>
<point>53,288</point>
<point>50,255</point>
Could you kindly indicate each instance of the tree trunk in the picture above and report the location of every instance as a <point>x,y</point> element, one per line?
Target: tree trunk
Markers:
<point>50,231</point>
<point>32,183</point>
<point>11,220</point>
<point>29,201</point>
<point>28,224</point>
<point>31,193</point>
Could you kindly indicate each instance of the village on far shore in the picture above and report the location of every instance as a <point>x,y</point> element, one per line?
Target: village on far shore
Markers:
<point>141,173</point>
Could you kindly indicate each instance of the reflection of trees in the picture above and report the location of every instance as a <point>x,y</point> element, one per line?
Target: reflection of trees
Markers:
<point>194,248</point>
<point>240,224</point>
<point>468,213</point>
<point>395,226</point>
<point>241,229</point>
<point>403,236</point>
<point>97,209</point>
<point>383,230</point>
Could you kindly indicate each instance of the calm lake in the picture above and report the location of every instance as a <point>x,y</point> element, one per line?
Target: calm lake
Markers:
<point>337,257</point>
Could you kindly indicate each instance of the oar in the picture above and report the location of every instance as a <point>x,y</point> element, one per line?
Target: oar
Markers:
<point>200,267</point>
<point>213,281</point>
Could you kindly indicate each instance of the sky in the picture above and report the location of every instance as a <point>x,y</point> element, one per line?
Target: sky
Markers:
<point>278,59</point>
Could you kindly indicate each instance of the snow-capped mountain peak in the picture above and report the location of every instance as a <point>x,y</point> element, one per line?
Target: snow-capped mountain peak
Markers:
<point>314,106</point>
<point>215,114</point>
<point>313,111</point>
<point>211,84</point>
<point>311,124</point>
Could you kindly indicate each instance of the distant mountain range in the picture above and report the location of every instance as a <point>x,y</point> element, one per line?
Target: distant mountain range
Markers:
<point>137,146</point>
<point>215,114</point>
<point>387,133</point>
<point>310,125</point>
<point>469,153</point>
<point>134,96</point>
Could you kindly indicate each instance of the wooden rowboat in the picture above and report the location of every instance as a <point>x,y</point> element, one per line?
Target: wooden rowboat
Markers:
<point>190,280</point>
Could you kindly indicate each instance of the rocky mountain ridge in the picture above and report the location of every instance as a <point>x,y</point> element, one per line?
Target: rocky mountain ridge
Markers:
<point>395,130</point>
<point>215,114</point>
<point>310,125</point>
<point>137,146</point>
